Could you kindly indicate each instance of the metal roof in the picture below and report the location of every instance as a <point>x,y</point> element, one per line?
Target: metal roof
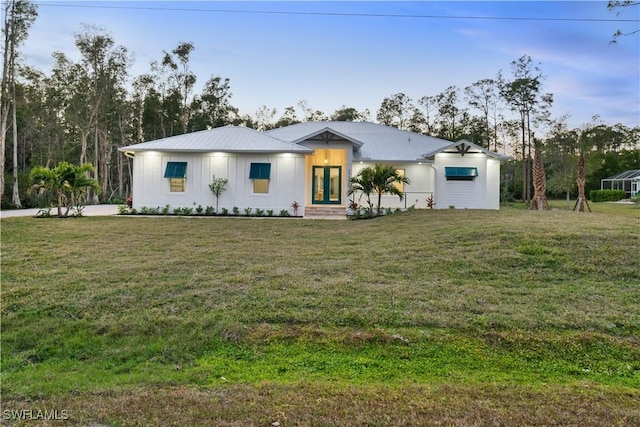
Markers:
<point>375,142</point>
<point>225,139</point>
<point>372,141</point>
<point>630,174</point>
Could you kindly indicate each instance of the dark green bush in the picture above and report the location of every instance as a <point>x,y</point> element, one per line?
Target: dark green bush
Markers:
<point>607,195</point>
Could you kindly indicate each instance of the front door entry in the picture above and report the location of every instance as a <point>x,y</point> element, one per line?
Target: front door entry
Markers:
<point>327,185</point>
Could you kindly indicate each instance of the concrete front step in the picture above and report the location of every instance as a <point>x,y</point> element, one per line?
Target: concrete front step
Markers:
<point>325,212</point>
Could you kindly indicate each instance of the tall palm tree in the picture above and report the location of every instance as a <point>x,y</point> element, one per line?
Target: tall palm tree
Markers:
<point>539,201</point>
<point>580,180</point>
<point>378,179</point>
<point>66,182</point>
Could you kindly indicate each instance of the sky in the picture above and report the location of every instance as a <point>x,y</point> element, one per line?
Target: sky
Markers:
<point>357,53</point>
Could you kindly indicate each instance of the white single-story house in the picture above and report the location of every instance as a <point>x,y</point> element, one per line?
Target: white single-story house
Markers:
<point>310,163</point>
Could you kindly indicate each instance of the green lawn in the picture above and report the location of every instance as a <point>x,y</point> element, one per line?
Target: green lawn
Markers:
<point>454,317</point>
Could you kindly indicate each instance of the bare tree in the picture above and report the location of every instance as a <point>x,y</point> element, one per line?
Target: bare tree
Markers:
<point>484,95</point>
<point>619,6</point>
<point>523,95</point>
<point>183,78</point>
<point>18,17</point>
<point>396,110</point>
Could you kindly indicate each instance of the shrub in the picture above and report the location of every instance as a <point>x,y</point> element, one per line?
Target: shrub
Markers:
<point>430,202</point>
<point>209,210</point>
<point>166,210</point>
<point>183,211</point>
<point>247,211</point>
<point>235,210</point>
<point>284,212</point>
<point>199,210</point>
<point>607,195</point>
<point>269,212</point>
<point>225,211</point>
<point>259,212</point>
<point>145,210</point>
<point>295,206</point>
<point>44,213</point>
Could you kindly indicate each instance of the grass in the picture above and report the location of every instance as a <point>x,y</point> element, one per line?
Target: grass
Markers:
<point>449,316</point>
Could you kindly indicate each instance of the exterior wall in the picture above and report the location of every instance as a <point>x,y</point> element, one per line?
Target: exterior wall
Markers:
<point>481,193</point>
<point>421,186</point>
<point>151,189</point>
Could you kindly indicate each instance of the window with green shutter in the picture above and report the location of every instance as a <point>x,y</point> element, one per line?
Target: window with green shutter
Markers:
<point>260,173</point>
<point>460,173</point>
<point>176,172</point>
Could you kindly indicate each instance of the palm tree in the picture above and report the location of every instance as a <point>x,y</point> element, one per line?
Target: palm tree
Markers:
<point>363,182</point>
<point>379,179</point>
<point>66,182</point>
<point>539,201</point>
<point>580,180</point>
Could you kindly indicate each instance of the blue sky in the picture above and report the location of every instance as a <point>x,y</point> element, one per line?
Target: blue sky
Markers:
<point>330,60</point>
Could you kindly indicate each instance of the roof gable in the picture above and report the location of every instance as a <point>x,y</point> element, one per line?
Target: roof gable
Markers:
<point>463,147</point>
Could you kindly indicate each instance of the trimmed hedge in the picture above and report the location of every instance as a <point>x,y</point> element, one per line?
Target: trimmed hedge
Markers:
<point>607,195</point>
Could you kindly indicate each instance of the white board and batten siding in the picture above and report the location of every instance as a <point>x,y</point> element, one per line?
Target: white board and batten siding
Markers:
<point>422,185</point>
<point>483,192</point>
<point>151,189</point>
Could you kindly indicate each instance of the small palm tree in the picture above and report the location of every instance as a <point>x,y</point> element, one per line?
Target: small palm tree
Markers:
<point>378,179</point>
<point>66,182</point>
<point>363,182</point>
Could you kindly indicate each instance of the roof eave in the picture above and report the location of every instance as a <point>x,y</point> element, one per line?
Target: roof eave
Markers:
<point>175,150</point>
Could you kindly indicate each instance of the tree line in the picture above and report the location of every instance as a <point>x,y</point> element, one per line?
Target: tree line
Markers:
<point>83,111</point>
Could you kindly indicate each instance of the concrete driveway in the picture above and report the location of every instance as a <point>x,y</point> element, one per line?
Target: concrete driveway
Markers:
<point>89,210</point>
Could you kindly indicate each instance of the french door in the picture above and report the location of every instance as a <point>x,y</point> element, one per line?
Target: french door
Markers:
<point>327,185</point>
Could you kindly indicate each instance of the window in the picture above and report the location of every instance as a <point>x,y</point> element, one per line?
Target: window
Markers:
<point>260,185</point>
<point>460,173</point>
<point>260,173</point>
<point>176,185</point>
<point>177,174</point>
<point>400,185</point>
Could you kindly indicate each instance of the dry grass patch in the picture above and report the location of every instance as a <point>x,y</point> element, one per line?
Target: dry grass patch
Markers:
<point>305,404</point>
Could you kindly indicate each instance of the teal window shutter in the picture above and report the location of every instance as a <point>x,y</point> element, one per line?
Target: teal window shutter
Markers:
<point>460,172</point>
<point>176,170</point>
<point>260,171</point>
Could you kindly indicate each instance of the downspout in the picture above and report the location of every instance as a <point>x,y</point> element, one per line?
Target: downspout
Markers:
<point>435,183</point>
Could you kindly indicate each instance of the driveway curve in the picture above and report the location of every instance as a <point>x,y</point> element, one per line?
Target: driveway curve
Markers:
<point>89,210</point>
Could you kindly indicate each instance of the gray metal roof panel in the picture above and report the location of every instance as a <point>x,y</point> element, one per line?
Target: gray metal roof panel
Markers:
<point>630,174</point>
<point>378,142</point>
<point>225,139</point>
